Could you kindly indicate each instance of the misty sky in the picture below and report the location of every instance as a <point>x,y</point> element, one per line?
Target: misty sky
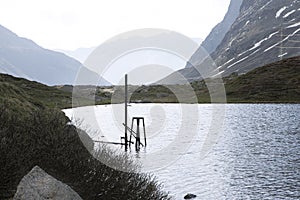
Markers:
<point>66,24</point>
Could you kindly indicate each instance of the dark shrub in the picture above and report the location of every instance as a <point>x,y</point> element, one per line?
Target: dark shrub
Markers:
<point>44,138</point>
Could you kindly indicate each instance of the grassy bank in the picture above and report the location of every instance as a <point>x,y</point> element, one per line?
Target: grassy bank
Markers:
<point>33,133</point>
<point>35,93</point>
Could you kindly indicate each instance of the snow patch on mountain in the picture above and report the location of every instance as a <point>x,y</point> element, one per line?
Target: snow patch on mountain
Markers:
<point>258,44</point>
<point>265,5</point>
<point>229,61</point>
<point>254,52</point>
<point>280,11</point>
<point>280,42</point>
<point>225,64</point>
<point>289,13</point>
<point>294,25</point>
<point>221,72</point>
<point>284,54</point>
<point>238,62</point>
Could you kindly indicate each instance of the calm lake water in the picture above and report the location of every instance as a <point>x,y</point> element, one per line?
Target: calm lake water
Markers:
<point>256,154</point>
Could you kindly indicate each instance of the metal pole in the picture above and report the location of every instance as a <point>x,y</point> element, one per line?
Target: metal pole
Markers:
<point>126,142</point>
<point>144,132</point>
<point>138,140</point>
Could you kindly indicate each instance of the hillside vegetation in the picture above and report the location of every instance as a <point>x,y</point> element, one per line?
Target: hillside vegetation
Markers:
<point>278,82</point>
<point>33,131</point>
<point>33,93</point>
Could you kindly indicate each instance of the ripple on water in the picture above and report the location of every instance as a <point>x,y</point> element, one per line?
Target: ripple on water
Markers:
<point>257,155</point>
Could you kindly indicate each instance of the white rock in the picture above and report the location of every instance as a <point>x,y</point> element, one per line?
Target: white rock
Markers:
<point>37,184</point>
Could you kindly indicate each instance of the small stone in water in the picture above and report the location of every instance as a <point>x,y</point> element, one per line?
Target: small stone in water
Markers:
<point>190,196</point>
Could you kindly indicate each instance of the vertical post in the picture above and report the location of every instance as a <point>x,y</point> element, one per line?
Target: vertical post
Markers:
<point>126,142</point>
<point>144,132</point>
<point>138,140</point>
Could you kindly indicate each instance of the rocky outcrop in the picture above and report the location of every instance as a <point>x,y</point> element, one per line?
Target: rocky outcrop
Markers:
<point>37,184</point>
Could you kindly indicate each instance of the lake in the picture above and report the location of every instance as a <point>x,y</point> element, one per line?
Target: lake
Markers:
<point>232,151</point>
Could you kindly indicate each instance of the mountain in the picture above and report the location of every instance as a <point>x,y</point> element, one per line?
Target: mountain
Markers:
<point>23,58</point>
<point>274,82</point>
<point>265,31</point>
<point>79,54</point>
<point>215,37</point>
<point>277,82</point>
<point>217,34</point>
<point>34,93</point>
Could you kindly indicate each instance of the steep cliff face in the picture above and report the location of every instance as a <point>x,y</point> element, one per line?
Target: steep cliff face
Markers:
<point>218,32</point>
<point>264,32</point>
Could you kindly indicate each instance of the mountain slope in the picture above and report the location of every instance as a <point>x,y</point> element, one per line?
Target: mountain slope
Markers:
<point>215,37</point>
<point>24,58</point>
<point>264,32</point>
<point>34,93</point>
<point>277,82</point>
<point>37,94</point>
<point>217,34</point>
<point>79,54</point>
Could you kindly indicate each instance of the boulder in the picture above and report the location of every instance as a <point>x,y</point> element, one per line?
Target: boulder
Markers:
<point>37,184</point>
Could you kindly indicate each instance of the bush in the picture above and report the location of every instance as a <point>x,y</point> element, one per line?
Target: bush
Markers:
<point>44,138</point>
